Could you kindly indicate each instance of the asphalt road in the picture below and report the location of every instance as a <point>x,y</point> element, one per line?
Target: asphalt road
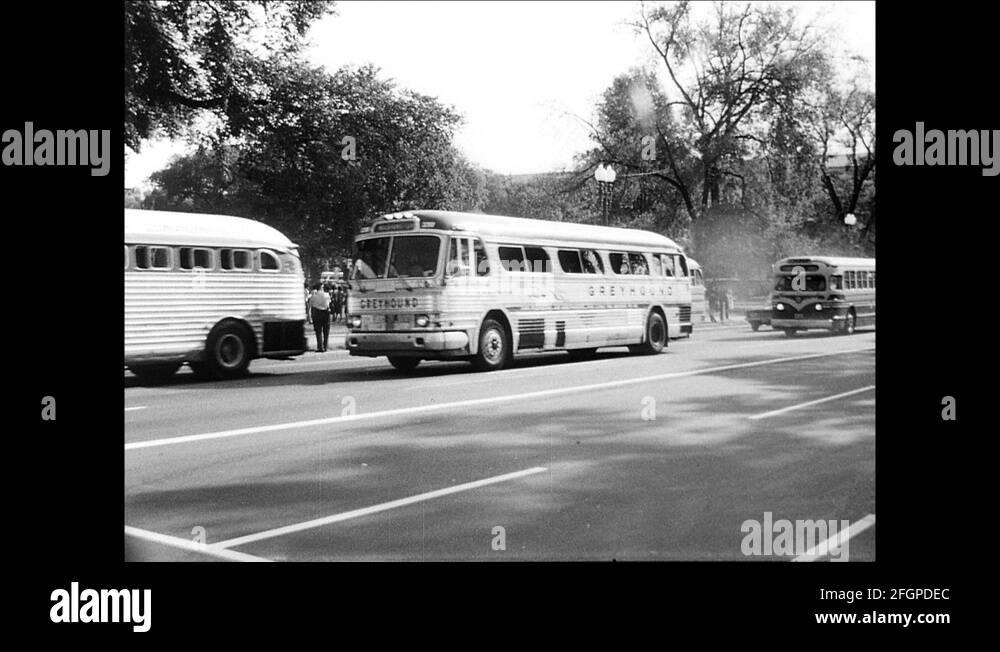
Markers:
<point>666,457</point>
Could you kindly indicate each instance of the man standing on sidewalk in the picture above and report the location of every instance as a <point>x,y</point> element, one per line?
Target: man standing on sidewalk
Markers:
<point>319,309</point>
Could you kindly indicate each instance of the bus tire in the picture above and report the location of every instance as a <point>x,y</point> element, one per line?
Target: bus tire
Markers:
<point>403,363</point>
<point>494,347</point>
<point>579,355</point>
<point>156,372</point>
<point>790,332</point>
<point>656,336</point>
<point>755,326</point>
<point>228,352</point>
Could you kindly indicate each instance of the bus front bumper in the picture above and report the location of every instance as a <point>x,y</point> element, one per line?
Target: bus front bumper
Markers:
<point>418,343</point>
<point>829,323</point>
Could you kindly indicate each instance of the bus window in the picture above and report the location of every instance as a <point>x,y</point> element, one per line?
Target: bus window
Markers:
<point>370,258</point>
<point>592,262</point>
<point>191,258</point>
<point>657,268</point>
<point>814,283</point>
<point>681,265</point>
<point>699,279</point>
<point>569,261</point>
<point>668,264</point>
<point>537,259</point>
<point>836,283</point>
<point>619,263</point>
<point>152,257</point>
<point>268,261</point>
<point>415,255</point>
<point>638,264</point>
<point>235,260</point>
<point>873,280</point>
<point>511,258</point>
<point>482,262</point>
<point>458,257</point>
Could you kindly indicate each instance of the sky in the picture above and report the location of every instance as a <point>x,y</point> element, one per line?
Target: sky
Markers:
<point>518,72</point>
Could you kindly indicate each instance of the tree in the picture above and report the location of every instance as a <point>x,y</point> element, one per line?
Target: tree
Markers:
<point>324,153</point>
<point>187,57</point>
<point>726,74</point>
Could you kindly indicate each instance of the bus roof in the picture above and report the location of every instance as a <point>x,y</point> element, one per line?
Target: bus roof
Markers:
<point>832,261</point>
<point>692,263</point>
<point>500,227</point>
<point>171,228</point>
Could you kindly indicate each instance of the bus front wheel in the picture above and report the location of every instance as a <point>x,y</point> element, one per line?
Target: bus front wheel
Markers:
<point>656,336</point>
<point>228,352</point>
<point>403,363</point>
<point>494,347</point>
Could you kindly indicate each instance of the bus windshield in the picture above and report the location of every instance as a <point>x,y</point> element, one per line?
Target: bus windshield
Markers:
<point>814,283</point>
<point>411,256</point>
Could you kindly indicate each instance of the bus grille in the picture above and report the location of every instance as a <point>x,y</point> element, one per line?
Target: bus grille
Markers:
<point>685,313</point>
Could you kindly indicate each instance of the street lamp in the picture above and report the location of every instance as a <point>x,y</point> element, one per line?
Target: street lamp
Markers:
<point>605,175</point>
<point>850,219</point>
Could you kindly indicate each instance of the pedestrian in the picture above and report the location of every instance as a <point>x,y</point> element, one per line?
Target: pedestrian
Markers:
<point>308,295</point>
<point>730,301</point>
<point>319,304</point>
<point>713,301</point>
<point>336,299</point>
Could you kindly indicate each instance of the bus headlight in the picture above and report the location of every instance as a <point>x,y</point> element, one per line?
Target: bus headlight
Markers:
<point>779,307</point>
<point>421,320</point>
<point>819,306</point>
<point>354,321</point>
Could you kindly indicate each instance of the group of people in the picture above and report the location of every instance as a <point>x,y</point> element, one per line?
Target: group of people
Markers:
<point>720,301</point>
<point>325,303</point>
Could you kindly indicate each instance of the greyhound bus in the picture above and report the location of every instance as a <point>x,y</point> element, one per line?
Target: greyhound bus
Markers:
<point>823,292</point>
<point>438,285</point>
<point>212,291</point>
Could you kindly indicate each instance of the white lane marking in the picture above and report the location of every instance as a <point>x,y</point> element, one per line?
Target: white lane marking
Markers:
<point>183,439</point>
<point>823,549</point>
<point>773,413</point>
<point>135,407</point>
<point>184,544</point>
<point>374,509</point>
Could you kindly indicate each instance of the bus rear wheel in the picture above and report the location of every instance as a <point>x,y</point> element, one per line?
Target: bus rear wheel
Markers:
<point>155,372</point>
<point>656,336</point>
<point>403,363</point>
<point>494,347</point>
<point>227,354</point>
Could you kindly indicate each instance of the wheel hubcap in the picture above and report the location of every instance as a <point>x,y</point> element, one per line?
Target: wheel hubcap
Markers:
<point>230,350</point>
<point>494,346</point>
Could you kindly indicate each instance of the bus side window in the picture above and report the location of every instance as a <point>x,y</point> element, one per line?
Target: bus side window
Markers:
<point>511,258</point>
<point>268,261</point>
<point>592,262</point>
<point>873,280</point>
<point>681,265</point>
<point>458,257</point>
<point>537,259</point>
<point>191,258</point>
<point>638,264</point>
<point>482,262</point>
<point>668,264</point>
<point>836,283</point>
<point>152,257</point>
<point>569,261</point>
<point>619,263</point>
<point>656,269</point>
